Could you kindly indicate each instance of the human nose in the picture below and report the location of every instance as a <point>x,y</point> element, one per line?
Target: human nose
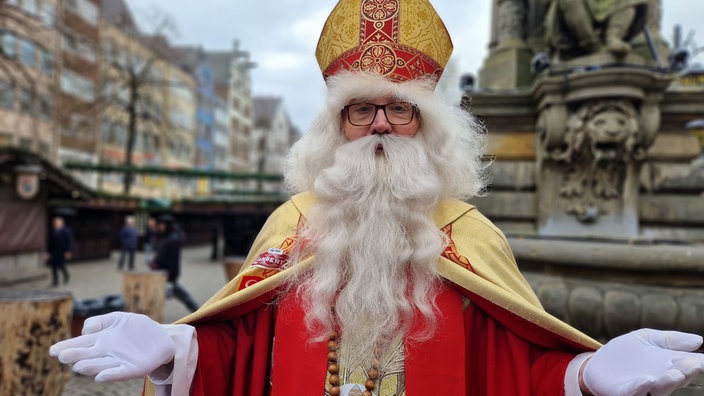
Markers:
<point>380,124</point>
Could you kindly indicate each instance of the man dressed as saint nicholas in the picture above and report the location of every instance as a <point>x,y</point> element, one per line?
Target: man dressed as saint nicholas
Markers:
<point>376,278</point>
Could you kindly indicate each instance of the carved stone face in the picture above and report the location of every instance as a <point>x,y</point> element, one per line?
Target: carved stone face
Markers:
<point>610,126</point>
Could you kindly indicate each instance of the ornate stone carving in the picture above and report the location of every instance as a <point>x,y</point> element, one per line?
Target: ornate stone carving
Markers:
<point>579,27</point>
<point>594,128</point>
<point>601,139</point>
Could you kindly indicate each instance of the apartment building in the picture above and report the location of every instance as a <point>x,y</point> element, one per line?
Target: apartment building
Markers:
<point>81,84</point>
<point>76,117</point>
<point>233,82</point>
<point>30,45</point>
<point>180,107</point>
<point>149,106</point>
<point>212,134</point>
<point>272,137</point>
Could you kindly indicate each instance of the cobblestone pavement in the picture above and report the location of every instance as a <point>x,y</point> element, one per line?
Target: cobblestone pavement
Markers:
<point>91,279</point>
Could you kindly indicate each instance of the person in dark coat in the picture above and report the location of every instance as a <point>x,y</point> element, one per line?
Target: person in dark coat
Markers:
<point>168,258</point>
<point>60,249</point>
<point>128,243</point>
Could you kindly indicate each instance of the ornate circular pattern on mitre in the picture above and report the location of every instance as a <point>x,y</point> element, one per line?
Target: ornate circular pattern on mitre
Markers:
<point>399,39</point>
<point>378,58</point>
<point>380,10</point>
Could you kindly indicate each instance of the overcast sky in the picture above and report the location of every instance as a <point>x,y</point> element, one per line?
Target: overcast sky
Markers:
<point>281,36</point>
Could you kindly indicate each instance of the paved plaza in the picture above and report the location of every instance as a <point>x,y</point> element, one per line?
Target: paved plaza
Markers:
<point>91,279</point>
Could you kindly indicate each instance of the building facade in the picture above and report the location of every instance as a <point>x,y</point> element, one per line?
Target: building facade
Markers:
<point>77,112</point>
<point>272,137</point>
<point>30,45</point>
<point>83,87</point>
<point>149,107</point>
<point>233,82</point>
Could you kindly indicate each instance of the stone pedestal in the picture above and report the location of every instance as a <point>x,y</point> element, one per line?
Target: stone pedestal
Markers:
<point>607,288</point>
<point>505,69</point>
<point>594,128</point>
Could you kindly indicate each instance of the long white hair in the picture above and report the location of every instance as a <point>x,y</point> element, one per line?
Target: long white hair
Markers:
<point>372,229</point>
<point>454,138</point>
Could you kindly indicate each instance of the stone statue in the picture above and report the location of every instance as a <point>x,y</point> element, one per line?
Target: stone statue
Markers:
<point>578,27</point>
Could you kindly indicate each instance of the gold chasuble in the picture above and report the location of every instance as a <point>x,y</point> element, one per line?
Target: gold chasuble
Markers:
<point>477,263</point>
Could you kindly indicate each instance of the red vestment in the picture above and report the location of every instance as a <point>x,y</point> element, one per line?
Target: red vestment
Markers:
<point>504,343</point>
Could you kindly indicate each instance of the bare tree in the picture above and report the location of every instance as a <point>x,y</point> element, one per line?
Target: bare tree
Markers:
<point>132,83</point>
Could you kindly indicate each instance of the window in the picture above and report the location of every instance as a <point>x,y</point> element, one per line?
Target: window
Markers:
<point>76,85</point>
<point>30,6</point>
<point>12,2</point>
<point>7,95</point>
<point>106,131</point>
<point>9,44</point>
<point>79,126</point>
<point>183,92</point>
<point>108,49</point>
<point>48,14</point>
<point>45,108</point>
<point>84,8</point>
<point>78,46</point>
<point>46,61</point>
<point>181,120</point>
<point>120,134</point>
<point>29,56</point>
<point>26,101</point>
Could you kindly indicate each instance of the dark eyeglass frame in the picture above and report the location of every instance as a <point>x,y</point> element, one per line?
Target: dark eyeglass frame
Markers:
<point>414,108</point>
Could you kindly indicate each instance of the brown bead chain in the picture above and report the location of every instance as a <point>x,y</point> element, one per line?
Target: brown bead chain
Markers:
<point>334,370</point>
<point>333,367</point>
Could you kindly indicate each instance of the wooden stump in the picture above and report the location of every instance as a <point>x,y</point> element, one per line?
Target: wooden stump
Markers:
<point>232,267</point>
<point>145,292</point>
<point>32,321</point>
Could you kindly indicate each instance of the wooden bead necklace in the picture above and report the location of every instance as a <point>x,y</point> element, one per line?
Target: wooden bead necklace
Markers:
<point>334,369</point>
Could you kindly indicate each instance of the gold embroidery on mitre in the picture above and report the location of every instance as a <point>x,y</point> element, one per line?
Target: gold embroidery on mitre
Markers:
<point>400,39</point>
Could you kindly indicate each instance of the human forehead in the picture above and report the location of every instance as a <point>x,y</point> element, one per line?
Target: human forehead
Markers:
<point>374,99</point>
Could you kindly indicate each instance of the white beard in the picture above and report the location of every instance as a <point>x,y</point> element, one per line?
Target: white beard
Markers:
<point>375,243</point>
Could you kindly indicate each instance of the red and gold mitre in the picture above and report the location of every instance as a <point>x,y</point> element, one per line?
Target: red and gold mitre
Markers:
<point>399,39</point>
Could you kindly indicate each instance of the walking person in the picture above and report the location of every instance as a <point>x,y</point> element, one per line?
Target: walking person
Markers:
<point>128,243</point>
<point>60,249</point>
<point>168,258</point>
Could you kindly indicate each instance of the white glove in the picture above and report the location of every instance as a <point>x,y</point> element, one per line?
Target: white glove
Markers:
<point>644,362</point>
<point>116,347</point>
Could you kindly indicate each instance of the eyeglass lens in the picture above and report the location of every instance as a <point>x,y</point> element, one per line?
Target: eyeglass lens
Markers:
<point>397,113</point>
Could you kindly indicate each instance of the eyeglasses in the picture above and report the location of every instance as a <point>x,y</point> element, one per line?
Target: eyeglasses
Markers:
<point>364,114</point>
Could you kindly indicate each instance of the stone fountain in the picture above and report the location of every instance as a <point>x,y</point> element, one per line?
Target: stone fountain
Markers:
<point>595,178</point>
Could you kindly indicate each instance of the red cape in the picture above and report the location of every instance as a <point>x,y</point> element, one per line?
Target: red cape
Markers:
<point>482,350</point>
